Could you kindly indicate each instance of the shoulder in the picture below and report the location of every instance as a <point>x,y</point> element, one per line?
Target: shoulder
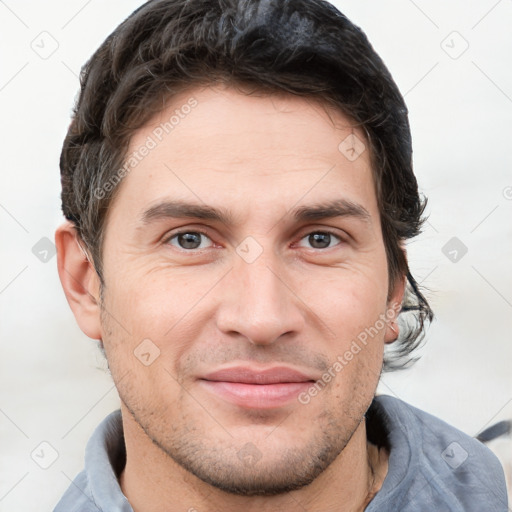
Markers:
<point>433,462</point>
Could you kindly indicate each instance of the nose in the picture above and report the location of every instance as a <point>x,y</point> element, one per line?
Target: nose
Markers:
<point>258,301</point>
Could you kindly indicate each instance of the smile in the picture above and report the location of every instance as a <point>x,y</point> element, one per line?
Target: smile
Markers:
<point>257,389</point>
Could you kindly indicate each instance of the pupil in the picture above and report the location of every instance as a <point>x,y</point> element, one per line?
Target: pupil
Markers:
<point>323,239</point>
<point>190,240</point>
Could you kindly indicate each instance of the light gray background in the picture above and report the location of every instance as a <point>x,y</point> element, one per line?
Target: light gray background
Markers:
<point>54,387</point>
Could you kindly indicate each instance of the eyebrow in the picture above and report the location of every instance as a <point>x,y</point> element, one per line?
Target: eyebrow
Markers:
<point>181,209</point>
<point>331,209</point>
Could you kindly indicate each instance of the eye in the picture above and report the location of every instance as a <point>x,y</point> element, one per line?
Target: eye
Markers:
<point>321,239</point>
<point>188,240</point>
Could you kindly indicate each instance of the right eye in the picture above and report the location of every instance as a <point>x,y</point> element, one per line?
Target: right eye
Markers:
<point>188,240</point>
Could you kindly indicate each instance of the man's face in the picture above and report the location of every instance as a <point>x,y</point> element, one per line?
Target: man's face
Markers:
<point>191,321</point>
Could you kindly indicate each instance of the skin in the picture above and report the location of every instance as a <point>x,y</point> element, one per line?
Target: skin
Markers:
<point>298,304</point>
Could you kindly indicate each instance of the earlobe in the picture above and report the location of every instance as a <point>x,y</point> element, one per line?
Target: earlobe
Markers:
<point>79,280</point>
<point>393,310</point>
<point>392,332</point>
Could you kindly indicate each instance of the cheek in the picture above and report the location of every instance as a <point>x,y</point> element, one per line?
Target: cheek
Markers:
<point>356,363</point>
<point>155,303</point>
<point>350,303</point>
<point>359,378</point>
<point>156,313</point>
<point>353,306</point>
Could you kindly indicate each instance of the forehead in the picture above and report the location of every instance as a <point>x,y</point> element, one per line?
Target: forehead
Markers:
<point>219,146</point>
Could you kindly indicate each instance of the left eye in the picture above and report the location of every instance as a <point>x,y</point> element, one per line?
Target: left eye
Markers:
<point>188,240</point>
<point>321,239</point>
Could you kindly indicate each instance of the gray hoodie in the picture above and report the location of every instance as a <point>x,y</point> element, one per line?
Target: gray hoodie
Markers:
<point>432,466</point>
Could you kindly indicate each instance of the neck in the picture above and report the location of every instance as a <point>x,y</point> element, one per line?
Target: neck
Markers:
<point>153,482</point>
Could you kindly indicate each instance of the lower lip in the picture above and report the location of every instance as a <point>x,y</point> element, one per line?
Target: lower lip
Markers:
<point>257,396</point>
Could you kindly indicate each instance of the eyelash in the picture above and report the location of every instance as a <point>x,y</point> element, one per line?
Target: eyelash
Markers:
<point>199,231</point>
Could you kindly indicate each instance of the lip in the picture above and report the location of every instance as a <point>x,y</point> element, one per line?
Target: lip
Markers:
<point>253,388</point>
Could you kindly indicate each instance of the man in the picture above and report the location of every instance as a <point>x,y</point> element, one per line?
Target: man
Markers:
<point>238,188</point>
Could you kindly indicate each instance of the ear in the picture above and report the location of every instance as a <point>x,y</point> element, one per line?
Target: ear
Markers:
<point>393,309</point>
<point>79,280</point>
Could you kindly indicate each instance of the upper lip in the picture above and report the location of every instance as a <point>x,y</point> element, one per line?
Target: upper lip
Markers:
<point>251,375</point>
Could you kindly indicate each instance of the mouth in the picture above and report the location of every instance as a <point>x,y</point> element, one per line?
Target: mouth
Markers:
<point>253,388</point>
